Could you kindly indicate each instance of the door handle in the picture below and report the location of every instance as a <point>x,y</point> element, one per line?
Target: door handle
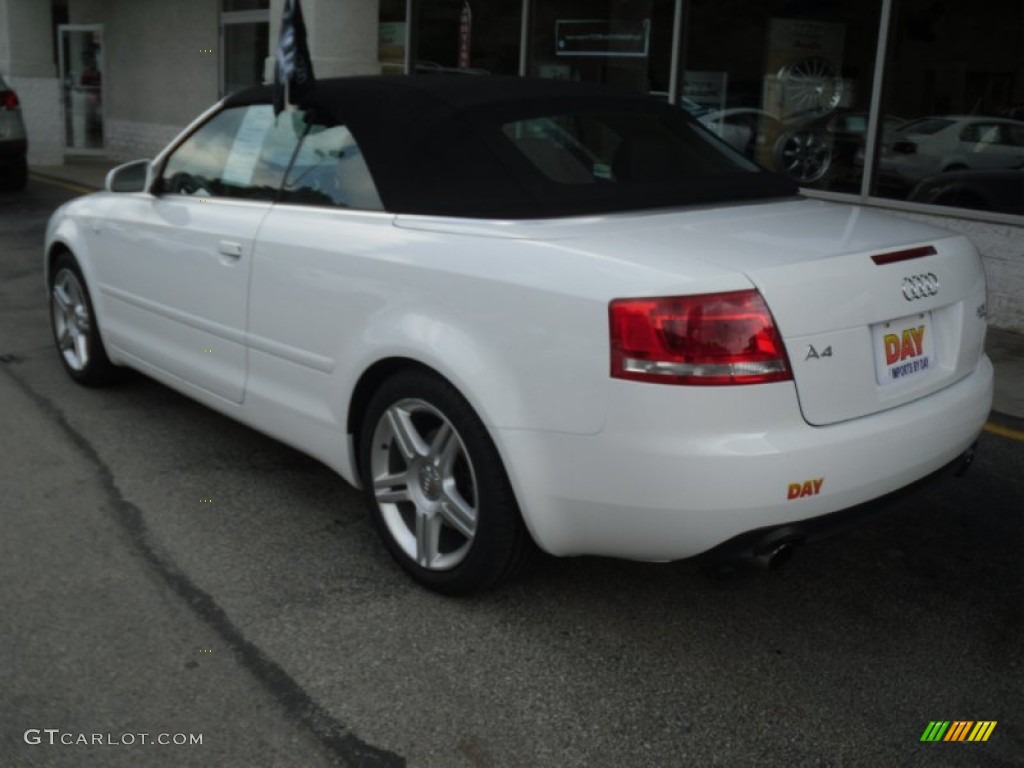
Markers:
<point>230,249</point>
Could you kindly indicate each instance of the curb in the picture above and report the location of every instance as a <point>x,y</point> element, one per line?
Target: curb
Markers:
<point>66,183</point>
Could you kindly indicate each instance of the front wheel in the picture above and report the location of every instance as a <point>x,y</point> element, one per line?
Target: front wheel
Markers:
<point>436,487</point>
<point>75,329</point>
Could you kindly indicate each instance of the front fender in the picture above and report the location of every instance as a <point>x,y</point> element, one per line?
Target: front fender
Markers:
<point>64,232</point>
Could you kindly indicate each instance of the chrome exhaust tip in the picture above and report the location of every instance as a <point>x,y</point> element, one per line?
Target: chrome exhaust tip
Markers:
<point>776,548</point>
<point>777,555</point>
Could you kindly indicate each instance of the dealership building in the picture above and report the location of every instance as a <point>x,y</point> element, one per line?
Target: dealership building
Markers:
<point>911,105</point>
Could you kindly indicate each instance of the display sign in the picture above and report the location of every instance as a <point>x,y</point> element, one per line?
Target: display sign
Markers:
<point>602,37</point>
<point>706,88</point>
<point>391,46</point>
<point>465,35</point>
<point>804,59</point>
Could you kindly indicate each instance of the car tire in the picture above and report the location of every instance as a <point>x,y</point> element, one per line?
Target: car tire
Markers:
<point>17,176</point>
<point>803,156</point>
<point>76,331</point>
<point>437,490</point>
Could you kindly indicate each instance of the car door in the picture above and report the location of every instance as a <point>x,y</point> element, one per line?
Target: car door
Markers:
<point>174,267</point>
<point>313,283</point>
<point>989,146</point>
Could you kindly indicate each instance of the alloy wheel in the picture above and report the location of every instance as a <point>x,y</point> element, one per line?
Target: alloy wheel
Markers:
<point>425,484</point>
<point>71,321</point>
<point>805,156</point>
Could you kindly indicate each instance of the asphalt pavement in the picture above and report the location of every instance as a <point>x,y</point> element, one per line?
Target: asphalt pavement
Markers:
<point>165,571</point>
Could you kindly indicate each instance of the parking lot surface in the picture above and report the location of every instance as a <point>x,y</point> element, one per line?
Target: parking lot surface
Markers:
<point>165,571</point>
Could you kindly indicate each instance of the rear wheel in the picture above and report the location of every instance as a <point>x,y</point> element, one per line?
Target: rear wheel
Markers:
<point>437,491</point>
<point>75,330</point>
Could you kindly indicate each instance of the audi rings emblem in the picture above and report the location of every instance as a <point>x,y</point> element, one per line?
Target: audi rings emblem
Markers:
<point>920,286</point>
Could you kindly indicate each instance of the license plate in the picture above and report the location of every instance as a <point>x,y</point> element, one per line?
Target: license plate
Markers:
<point>904,348</point>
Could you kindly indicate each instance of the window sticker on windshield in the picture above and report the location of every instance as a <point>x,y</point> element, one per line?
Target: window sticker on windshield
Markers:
<point>245,151</point>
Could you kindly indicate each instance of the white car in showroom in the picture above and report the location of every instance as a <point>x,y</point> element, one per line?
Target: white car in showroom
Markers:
<point>932,145</point>
<point>519,311</point>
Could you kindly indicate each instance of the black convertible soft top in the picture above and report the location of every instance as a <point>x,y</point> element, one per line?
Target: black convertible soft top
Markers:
<point>435,145</point>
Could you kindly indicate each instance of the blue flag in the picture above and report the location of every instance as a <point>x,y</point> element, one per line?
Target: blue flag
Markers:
<point>293,70</point>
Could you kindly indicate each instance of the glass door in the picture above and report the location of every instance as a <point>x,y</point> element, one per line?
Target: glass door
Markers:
<point>244,45</point>
<point>81,73</point>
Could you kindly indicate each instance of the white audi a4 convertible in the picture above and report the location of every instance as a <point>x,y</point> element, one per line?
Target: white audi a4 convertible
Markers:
<point>519,312</point>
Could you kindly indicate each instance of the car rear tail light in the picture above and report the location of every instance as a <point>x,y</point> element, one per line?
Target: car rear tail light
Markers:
<point>8,100</point>
<point>714,338</point>
<point>904,147</point>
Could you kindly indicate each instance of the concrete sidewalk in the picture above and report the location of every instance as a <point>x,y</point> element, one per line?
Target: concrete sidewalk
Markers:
<point>83,172</point>
<point>1005,348</point>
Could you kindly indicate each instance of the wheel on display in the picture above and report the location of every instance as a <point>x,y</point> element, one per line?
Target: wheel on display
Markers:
<point>810,84</point>
<point>804,156</point>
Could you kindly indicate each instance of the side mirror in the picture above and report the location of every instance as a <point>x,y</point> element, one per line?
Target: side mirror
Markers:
<point>130,177</point>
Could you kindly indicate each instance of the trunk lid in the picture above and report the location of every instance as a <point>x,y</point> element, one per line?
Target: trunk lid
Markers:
<point>857,343</point>
<point>863,334</point>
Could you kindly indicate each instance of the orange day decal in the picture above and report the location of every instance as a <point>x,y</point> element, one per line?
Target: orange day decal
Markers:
<point>806,488</point>
<point>911,345</point>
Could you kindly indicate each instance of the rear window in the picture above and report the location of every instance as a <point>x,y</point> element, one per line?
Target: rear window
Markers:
<point>630,147</point>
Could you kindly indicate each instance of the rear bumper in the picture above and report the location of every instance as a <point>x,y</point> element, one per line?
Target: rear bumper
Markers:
<point>678,471</point>
<point>756,543</point>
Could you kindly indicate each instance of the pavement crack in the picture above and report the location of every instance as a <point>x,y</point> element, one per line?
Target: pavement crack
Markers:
<point>337,740</point>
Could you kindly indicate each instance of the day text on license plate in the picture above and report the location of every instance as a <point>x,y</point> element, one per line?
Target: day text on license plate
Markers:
<point>904,348</point>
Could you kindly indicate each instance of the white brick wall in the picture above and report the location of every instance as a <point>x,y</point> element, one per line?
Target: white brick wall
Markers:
<point>1002,252</point>
<point>40,108</point>
<point>129,140</point>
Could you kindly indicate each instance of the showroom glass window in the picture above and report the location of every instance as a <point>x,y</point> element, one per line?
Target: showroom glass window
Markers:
<point>786,82</point>
<point>622,44</point>
<point>391,36</point>
<point>245,38</point>
<point>477,37</point>
<point>242,152</point>
<point>954,94</point>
